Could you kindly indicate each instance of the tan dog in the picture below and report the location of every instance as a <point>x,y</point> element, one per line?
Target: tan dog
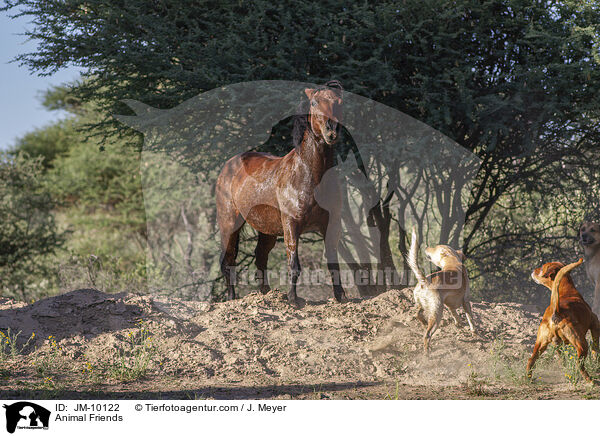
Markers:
<point>567,319</point>
<point>449,287</point>
<point>589,238</point>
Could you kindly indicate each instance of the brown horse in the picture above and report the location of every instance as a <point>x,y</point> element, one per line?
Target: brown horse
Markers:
<point>276,195</point>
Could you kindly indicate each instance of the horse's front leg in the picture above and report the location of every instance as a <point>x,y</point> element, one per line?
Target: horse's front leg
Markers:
<point>263,247</point>
<point>291,234</point>
<point>331,236</point>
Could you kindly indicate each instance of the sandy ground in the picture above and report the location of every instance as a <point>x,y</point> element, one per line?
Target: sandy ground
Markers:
<point>87,344</point>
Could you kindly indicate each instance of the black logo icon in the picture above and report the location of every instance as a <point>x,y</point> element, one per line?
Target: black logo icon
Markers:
<point>26,415</point>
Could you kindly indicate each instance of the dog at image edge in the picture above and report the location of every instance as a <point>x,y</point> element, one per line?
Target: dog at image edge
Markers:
<point>589,238</point>
<point>568,317</point>
<point>448,287</point>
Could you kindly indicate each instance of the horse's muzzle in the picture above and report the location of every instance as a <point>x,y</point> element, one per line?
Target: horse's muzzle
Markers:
<point>330,131</point>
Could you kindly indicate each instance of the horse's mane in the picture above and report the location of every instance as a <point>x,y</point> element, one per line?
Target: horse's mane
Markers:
<point>301,118</point>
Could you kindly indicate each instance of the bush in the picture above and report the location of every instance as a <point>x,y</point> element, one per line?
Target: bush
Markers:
<point>28,232</point>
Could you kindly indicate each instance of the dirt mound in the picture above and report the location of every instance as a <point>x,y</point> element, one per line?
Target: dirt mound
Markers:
<point>82,312</point>
<point>260,340</point>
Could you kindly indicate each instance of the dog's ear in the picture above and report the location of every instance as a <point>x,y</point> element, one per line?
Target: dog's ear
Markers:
<point>547,272</point>
<point>461,255</point>
<point>550,270</point>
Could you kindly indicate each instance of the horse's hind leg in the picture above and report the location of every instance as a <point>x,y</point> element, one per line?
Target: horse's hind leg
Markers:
<point>263,247</point>
<point>230,250</point>
<point>230,239</point>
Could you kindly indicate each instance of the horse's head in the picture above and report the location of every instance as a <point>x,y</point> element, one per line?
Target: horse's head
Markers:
<point>325,111</point>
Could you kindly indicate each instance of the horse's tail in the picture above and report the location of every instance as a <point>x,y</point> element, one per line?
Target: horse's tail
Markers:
<point>412,260</point>
<point>555,298</point>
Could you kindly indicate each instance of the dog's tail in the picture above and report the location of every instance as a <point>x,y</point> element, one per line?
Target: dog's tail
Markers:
<point>412,260</point>
<point>555,298</point>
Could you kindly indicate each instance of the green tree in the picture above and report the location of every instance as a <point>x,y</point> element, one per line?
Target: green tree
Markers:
<point>99,193</point>
<point>47,142</point>
<point>514,81</point>
<point>28,232</point>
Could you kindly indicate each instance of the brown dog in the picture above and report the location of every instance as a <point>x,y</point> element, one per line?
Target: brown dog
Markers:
<point>589,238</point>
<point>567,319</point>
<point>448,287</point>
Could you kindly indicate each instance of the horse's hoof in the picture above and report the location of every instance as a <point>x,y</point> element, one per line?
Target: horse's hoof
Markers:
<point>341,298</point>
<point>292,299</point>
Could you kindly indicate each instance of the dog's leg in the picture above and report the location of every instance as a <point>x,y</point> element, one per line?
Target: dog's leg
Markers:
<point>421,317</point>
<point>469,313</point>
<point>540,346</point>
<point>454,314</point>
<point>432,324</point>
<point>595,331</point>
<point>581,347</point>
<point>557,354</point>
<point>419,303</point>
<point>582,351</point>
<point>596,303</point>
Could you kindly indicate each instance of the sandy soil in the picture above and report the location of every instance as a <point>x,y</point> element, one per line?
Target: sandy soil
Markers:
<point>88,344</point>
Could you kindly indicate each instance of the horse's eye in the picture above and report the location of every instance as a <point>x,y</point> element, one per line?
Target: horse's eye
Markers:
<point>313,103</point>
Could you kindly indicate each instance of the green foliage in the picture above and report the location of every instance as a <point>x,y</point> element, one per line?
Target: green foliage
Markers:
<point>9,346</point>
<point>482,72</point>
<point>28,231</point>
<point>515,82</point>
<point>105,212</point>
<point>50,362</point>
<point>49,143</point>
<point>507,367</point>
<point>62,98</point>
<point>100,200</point>
<point>133,360</point>
<point>569,360</point>
<point>106,179</point>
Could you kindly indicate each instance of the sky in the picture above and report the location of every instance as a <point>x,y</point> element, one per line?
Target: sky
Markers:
<point>21,110</point>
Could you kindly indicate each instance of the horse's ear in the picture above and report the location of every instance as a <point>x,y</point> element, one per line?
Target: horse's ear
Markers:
<point>309,92</point>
